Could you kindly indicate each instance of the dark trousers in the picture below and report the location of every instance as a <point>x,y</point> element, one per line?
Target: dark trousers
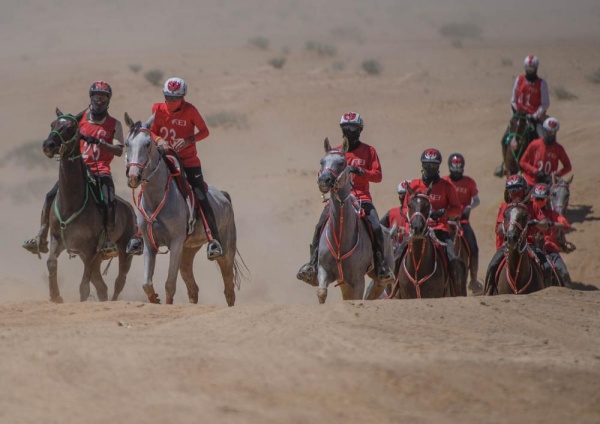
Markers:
<point>195,177</point>
<point>560,267</point>
<point>469,235</point>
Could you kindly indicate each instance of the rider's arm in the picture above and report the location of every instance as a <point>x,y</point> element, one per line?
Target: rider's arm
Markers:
<point>199,123</point>
<point>373,172</point>
<point>475,201</point>
<point>566,163</point>
<point>115,148</point>
<point>513,98</point>
<point>544,101</point>
<point>524,162</point>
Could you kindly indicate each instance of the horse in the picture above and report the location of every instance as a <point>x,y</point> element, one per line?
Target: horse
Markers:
<point>560,193</point>
<point>76,224</point>
<point>166,219</point>
<point>345,247</point>
<point>420,273</point>
<point>518,272</point>
<point>520,133</point>
<point>463,252</point>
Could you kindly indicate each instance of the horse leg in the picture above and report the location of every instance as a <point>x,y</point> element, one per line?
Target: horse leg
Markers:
<point>174,265</point>
<point>374,290</point>
<point>149,264</point>
<point>124,266</point>
<point>347,291</point>
<point>187,272</point>
<point>358,289</point>
<point>323,284</point>
<point>97,280</point>
<point>227,271</point>
<point>56,248</point>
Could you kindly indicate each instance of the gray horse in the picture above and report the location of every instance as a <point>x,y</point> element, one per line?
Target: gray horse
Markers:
<point>76,224</point>
<point>345,251</point>
<point>163,216</point>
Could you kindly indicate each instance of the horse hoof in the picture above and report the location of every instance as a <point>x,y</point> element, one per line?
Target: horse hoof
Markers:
<point>193,298</point>
<point>153,298</point>
<point>56,299</point>
<point>476,287</point>
<point>169,300</point>
<point>308,275</point>
<point>322,295</point>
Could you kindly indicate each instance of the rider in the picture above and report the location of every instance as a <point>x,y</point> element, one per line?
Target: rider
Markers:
<point>396,216</point>
<point>175,124</point>
<point>515,191</point>
<point>539,195</point>
<point>101,141</point>
<point>363,162</point>
<point>466,189</point>
<point>529,96</point>
<point>540,160</point>
<point>444,203</point>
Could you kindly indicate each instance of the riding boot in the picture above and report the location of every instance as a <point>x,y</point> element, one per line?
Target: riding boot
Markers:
<point>308,271</point>
<point>383,271</point>
<point>135,245</point>
<point>109,249</point>
<point>499,171</point>
<point>39,243</point>
<point>214,249</point>
<point>456,265</point>
<point>490,276</point>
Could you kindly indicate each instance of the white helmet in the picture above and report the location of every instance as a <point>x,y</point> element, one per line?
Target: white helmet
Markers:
<point>531,64</point>
<point>551,125</point>
<point>402,187</point>
<point>351,119</point>
<point>175,87</point>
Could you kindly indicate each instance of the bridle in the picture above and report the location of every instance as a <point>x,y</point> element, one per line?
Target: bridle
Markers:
<point>338,175</point>
<point>143,166</point>
<point>522,228</point>
<point>419,213</point>
<point>67,143</point>
<point>512,281</point>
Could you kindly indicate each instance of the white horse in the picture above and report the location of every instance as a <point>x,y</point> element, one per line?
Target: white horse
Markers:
<point>163,217</point>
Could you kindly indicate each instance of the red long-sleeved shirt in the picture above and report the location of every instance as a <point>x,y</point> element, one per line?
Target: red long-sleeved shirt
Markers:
<point>540,157</point>
<point>443,196</point>
<point>365,157</point>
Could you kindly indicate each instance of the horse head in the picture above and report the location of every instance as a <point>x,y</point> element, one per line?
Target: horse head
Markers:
<point>560,193</point>
<point>139,144</point>
<point>64,137</point>
<point>419,211</point>
<point>333,174</point>
<point>515,226</point>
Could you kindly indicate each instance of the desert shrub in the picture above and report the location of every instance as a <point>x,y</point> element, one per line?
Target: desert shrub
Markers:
<point>372,66</point>
<point>464,30</point>
<point>338,65</point>
<point>261,43</point>
<point>226,119</point>
<point>277,62</point>
<point>562,93</point>
<point>321,49</point>
<point>134,67</point>
<point>595,77</point>
<point>505,61</point>
<point>154,76</point>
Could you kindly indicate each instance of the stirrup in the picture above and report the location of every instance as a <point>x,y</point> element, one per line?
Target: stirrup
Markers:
<point>109,250</point>
<point>36,245</point>
<point>499,171</point>
<point>135,246</point>
<point>385,274</point>
<point>308,274</point>
<point>214,250</point>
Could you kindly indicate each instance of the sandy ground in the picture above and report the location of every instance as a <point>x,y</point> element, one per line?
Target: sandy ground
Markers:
<point>277,356</point>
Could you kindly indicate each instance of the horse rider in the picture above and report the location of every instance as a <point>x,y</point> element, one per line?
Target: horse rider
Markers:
<point>178,125</point>
<point>539,195</point>
<point>101,140</point>
<point>468,196</point>
<point>515,191</point>
<point>444,203</point>
<point>530,96</point>
<point>364,165</point>
<point>396,216</point>
<point>540,160</point>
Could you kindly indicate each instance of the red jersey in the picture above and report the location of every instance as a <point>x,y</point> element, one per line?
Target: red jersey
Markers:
<point>466,189</point>
<point>550,241</point>
<point>528,95</point>
<point>442,196</point>
<point>365,157</point>
<point>95,157</point>
<point>534,213</point>
<point>181,124</point>
<point>540,157</point>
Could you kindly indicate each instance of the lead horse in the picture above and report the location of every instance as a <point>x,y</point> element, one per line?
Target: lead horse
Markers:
<point>520,133</point>
<point>76,224</point>
<point>345,248</point>
<point>163,216</point>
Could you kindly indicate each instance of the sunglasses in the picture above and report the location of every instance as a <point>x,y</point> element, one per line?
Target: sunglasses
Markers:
<point>350,128</point>
<point>98,97</point>
<point>514,189</point>
<point>172,98</point>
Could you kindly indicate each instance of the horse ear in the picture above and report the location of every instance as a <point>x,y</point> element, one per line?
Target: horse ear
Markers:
<point>570,180</point>
<point>80,115</point>
<point>58,112</point>
<point>327,145</point>
<point>345,145</point>
<point>128,121</point>
<point>149,122</point>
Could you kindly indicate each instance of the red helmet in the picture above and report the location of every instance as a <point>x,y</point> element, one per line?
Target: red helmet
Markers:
<point>431,156</point>
<point>101,87</point>
<point>515,182</point>
<point>531,64</point>
<point>402,187</point>
<point>456,162</point>
<point>540,191</point>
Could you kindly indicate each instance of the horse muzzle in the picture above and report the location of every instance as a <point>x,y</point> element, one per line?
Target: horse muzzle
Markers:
<point>133,177</point>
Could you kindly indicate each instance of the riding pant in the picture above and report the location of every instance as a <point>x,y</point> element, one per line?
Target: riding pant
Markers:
<point>195,178</point>
<point>560,267</point>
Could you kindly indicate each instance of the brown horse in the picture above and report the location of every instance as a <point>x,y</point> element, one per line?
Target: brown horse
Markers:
<point>520,133</point>
<point>463,251</point>
<point>420,272</point>
<point>518,272</point>
<point>76,224</point>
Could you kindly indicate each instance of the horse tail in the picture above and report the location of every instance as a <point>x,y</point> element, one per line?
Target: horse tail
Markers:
<point>240,270</point>
<point>227,196</point>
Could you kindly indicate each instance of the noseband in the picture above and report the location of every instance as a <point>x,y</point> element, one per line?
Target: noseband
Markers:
<point>520,227</point>
<point>336,186</point>
<point>419,213</point>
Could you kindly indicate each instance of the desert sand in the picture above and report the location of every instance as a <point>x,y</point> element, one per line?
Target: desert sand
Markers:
<point>277,356</point>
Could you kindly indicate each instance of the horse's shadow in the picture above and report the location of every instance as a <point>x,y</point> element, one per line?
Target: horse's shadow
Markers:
<point>580,213</point>
<point>583,287</point>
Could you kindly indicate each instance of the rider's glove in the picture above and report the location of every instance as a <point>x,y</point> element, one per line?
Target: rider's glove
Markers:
<point>90,139</point>
<point>437,214</point>
<point>356,170</point>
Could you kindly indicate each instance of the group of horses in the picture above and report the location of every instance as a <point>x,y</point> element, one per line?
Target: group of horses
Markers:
<point>163,216</point>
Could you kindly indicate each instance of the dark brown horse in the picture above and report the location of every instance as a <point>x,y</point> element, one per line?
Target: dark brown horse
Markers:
<point>463,251</point>
<point>518,272</point>
<point>520,133</point>
<point>76,224</point>
<point>421,273</point>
